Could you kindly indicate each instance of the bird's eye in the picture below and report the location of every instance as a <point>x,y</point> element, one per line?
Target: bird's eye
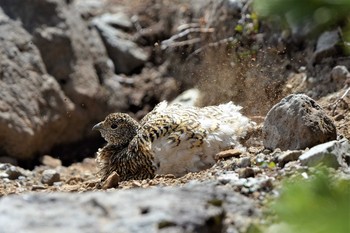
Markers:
<point>114,126</point>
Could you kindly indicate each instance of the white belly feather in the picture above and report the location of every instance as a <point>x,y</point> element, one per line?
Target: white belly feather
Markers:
<point>222,132</point>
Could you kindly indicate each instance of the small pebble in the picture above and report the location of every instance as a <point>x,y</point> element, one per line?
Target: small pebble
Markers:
<point>50,176</point>
<point>3,175</point>
<point>266,151</point>
<point>267,185</point>
<point>246,172</point>
<point>171,176</point>
<point>112,181</point>
<point>245,162</point>
<point>13,173</point>
<point>287,156</point>
<point>50,161</point>
<point>6,180</point>
<point>37,187</point>
<point>260,158</point>
<point>136,183</point>
<point>58,184</point>
<point>339,117</point>
<point>305,175</point>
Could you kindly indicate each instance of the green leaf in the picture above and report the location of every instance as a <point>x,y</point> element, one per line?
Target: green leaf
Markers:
<point>321,204</point>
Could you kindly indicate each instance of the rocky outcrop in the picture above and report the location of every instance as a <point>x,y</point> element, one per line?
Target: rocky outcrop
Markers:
<point>32,104</point>
<point>297,122</point>
<point>126,55</point>
<point>193,208</point>
<point>56,77</point>
<point>72,52</point>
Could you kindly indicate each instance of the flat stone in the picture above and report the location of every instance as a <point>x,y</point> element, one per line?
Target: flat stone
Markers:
<point>192,208</point>
<point>287,156</point>
<point>228,154</point>
<point>330,154</point>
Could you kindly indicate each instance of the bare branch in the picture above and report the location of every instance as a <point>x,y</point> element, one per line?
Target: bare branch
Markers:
<point>167,43</point>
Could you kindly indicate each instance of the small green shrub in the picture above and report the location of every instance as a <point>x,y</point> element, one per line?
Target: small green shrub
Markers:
<point>320,204</point>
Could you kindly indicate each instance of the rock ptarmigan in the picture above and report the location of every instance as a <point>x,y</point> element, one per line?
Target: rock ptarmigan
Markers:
<point>171,139</point>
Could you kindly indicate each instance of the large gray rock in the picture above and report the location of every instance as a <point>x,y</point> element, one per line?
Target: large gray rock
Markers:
<point>331,154</point>
<point>297,122</point>
<point>198,208</point>
<point>32,104</point>
<point>73,53</point>
<point>53,81</point>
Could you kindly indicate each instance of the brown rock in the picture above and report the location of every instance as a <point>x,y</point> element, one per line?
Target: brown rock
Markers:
<point>246,172</point>
<point>244,162</point>
<point>227,154</point>
<point>51,162</point>
<point>111,181</point>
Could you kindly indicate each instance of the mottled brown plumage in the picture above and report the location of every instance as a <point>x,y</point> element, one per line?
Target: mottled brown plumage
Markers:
<point>119,155</point>
<point>170,139</point>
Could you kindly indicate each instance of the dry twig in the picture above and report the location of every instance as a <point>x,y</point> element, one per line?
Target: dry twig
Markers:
<point>341,99</point>
<point>169,42</point>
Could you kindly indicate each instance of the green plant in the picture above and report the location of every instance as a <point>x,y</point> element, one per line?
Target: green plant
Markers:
<point>320,12</point>
<point>320,204</point>
<point>316,15</point>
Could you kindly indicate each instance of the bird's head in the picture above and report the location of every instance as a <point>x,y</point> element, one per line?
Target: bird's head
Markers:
<point>117,128</point>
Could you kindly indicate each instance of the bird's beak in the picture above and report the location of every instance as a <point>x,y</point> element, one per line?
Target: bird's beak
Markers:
<point>98,126</point>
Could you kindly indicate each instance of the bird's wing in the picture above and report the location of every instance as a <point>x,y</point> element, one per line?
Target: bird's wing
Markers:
<point>228,114</point>
<point>174,126</point>
<point>180,139</point>
<point>156,110</point>
<point>170,137</point>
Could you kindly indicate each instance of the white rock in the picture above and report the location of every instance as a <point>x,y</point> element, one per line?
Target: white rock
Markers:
<point>330,154</point>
